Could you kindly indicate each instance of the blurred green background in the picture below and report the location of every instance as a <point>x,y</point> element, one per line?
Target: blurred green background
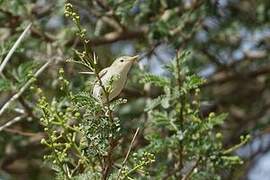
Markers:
<point>229,41</point>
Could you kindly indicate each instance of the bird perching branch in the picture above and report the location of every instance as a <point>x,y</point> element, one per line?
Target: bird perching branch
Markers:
<point>182,101</point>
<point>89,59</point>
<point>107,103</point>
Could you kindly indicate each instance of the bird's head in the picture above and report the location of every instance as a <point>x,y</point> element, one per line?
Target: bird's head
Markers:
<point>124,63</point>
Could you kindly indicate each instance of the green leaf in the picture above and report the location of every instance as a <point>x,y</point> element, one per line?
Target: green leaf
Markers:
<point>5,85</point>
<point>24,72</point>
<point>153,103</point>
<point>155,80</point>
<point>192,82</point>
<point>83,99</point>
<point>217,119</point>
<point>87,175</point>
<point>160,118</point>
<point>165,102</point>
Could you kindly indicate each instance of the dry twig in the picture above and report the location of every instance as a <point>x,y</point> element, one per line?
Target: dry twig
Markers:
<point>26,85</point>
<point>12,50</point>
<point>129,150</point>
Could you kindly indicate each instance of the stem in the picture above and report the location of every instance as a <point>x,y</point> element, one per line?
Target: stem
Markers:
<point>11,122</point>
<point>230,150</point>
<point>57,158</point>
<point>131,144</point>
<point>180,117</point>
<point>24,88</point>
<point>135,168</point>
<point>107,160</point>
<point>128,152</point>
<point>107,103</point>
<point>107,164</point>
<point>187,176</point>
<point>12,50</point>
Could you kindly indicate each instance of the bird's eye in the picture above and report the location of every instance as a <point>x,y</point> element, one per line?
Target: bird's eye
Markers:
<point>121,60</point>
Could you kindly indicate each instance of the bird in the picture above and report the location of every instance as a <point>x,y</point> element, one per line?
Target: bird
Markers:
<point>114,76</point>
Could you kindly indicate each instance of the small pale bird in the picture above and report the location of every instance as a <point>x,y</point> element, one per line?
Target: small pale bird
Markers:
<point>116,75</point>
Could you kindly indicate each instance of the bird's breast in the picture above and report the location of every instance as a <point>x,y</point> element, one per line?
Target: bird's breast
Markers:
<point>117,85</point>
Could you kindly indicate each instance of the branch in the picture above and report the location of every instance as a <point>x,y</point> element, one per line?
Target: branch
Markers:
<point>22,133</point>
<point>11,122</point>
<point>130,146</point>
<point>129,150</point>
<point>114,37</point>
<point>111,22</point>
<point>187,176</point>
<point>112,142</point>
<point>212,58</point>
<point>27,84</point>
<point>12,50</point>
<point>117,36</point>
<point>110,11</point>
<point>229,77</point>
<point>35,32</point>
<point>180,116</point>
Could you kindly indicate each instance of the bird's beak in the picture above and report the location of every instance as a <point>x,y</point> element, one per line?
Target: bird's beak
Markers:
<point>134,58</point>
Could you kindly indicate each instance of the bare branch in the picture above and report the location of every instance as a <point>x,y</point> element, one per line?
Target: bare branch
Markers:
<point>187,176</point>
<point>12,50</point>
<point>130,146</point>
<point>129,150</point>
<point>112,37</point>
<point>235,76</point>
<point>11,122</point>
<point>21,133</point>
<point>27,84</point>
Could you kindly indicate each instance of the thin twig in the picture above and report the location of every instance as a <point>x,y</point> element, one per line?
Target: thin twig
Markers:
<point>22,133</point>
<point>26,85</point>
<point>112,141</point>
<point>11,122</point>
<point>28,109</point>
<point>12,50</point>
<point>182,102</point>
<point>131,144</point>
<point>129,150</point>
<point>187,176</point>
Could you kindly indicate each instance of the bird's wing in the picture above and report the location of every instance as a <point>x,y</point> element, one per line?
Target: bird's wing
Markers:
<point>101,74</point>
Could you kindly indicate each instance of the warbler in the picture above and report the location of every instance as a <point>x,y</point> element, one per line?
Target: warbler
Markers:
<point>114,75</point>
